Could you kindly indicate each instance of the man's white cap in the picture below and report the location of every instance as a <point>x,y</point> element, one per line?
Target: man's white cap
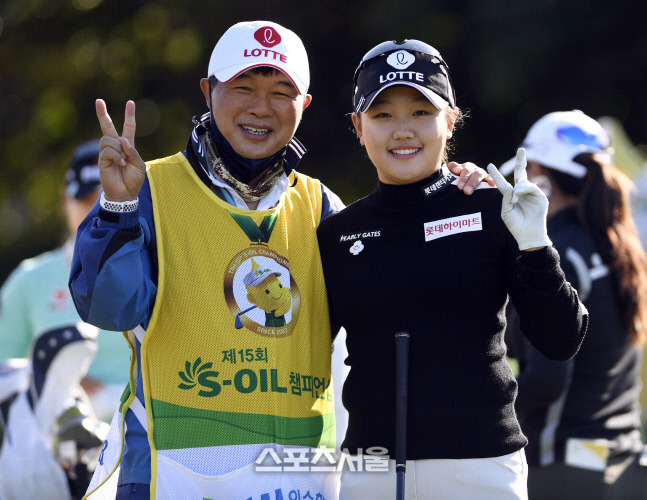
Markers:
<point>260,43</point>
<point>556,138</point>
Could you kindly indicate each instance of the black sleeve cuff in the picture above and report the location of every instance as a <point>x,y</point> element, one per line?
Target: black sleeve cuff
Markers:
<point>127,220</point>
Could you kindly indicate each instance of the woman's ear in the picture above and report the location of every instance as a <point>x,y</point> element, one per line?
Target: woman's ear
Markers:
<point>357,123</point>
<point>452,115</point>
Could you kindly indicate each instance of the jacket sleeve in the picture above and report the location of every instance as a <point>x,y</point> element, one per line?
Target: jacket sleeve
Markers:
<point>551,315</point>
<point>113,279</point>
<point>330,201</point>
<point>541,380</point>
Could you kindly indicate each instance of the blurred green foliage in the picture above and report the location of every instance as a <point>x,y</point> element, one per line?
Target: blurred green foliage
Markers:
<point>511,63</point>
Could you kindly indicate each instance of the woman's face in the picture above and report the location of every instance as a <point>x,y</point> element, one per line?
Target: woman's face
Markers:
<point>404,134</point>
<point>537,175</point>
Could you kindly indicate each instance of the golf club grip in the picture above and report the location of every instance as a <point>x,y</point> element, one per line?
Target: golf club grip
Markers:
<point>401,375</point>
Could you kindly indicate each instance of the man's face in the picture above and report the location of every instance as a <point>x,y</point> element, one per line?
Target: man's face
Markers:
<point>257,114</point>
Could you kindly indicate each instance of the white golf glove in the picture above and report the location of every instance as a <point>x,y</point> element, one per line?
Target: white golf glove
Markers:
<point>524,207</point>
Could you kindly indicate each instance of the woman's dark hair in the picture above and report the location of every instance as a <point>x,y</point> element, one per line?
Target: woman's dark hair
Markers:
<point>603,208</point>
<point>458,123</point>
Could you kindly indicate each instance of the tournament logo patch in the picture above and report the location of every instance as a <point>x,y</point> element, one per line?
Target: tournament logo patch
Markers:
<point>261,293</point>
<point>453,225</point>
<point>259,289</point>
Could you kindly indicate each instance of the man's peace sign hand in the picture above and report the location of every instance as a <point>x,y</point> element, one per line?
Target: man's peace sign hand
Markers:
<point>121,168</point>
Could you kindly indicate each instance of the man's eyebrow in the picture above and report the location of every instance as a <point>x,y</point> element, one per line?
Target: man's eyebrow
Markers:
<point>242,76</point>
<point>287,83</point>
<point>284,83</point>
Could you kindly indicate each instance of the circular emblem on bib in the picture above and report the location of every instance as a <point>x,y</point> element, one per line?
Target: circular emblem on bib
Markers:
<point>261,293</point>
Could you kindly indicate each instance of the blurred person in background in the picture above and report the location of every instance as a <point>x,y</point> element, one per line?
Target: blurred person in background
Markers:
<point>50,428</point>
<point>631,159</point>
<point>583,417</point>
<point>35,297</point>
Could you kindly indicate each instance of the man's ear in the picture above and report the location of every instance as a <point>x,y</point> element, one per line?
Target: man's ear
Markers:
<point>307,99</point>
<point>357,123</point>
<point>204,86</point>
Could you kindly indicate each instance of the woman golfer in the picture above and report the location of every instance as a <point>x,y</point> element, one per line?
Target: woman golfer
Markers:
<point>416,255</point>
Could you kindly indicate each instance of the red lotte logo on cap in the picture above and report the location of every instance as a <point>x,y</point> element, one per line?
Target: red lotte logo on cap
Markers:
<point>267,36</point>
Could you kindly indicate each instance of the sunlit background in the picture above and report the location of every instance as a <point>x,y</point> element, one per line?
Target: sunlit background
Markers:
<point>511,62</point>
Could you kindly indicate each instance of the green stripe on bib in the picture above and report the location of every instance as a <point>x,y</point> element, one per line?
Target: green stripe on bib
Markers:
<point>178,427</point>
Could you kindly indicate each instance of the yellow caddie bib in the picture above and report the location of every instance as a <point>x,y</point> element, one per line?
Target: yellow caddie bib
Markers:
<point>236,358</point>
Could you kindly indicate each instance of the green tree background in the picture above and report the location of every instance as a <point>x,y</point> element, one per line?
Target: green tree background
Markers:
<point>511,62</point>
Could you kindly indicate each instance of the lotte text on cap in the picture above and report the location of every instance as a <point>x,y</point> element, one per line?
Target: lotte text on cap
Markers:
<point>248,45</point>
<point>412,63</point>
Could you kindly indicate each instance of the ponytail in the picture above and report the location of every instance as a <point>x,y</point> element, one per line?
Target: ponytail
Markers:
<point>603,208</point>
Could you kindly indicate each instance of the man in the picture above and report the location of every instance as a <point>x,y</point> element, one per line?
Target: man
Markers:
<point>167,254</point>
<point>36,298</point>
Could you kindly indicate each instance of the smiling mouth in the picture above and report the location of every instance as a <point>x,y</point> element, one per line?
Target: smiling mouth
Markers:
<point>255,131</point>
<point>409,151</point>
